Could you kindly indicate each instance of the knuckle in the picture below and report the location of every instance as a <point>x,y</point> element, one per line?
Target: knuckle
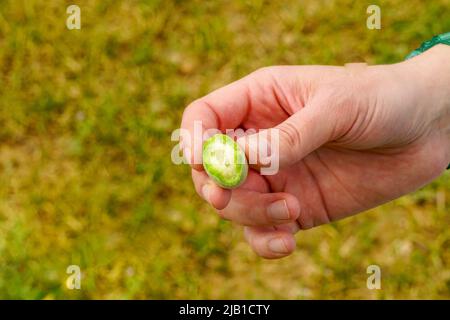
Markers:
<point>190,108</point>
<point>262,71</point>
<point>258,216</point>
<point>290,135</point>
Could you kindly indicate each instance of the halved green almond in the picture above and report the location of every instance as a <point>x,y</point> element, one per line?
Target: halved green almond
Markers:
<point>224,161</point>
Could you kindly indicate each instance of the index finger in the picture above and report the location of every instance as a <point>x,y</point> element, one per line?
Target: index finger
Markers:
<point>222,109</point>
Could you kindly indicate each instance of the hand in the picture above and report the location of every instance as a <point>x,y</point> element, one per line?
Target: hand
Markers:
<point>351,138</point>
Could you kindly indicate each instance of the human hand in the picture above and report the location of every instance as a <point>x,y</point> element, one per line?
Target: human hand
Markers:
<point>351,138</point>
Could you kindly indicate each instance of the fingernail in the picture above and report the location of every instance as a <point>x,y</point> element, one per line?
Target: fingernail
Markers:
<point>277,245</point>
<point>278,210</point>
<point>205,192</point>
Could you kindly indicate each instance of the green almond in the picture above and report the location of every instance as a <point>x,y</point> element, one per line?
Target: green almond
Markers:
<point>224,161</point>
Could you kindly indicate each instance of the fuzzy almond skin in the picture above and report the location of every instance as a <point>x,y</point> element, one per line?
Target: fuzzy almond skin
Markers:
<point>224,161</point>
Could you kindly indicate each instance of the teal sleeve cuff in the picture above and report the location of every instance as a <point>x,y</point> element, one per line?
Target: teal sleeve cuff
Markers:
<point>442,38</point>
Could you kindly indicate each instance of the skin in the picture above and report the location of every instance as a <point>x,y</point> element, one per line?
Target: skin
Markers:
<point>351,138</point>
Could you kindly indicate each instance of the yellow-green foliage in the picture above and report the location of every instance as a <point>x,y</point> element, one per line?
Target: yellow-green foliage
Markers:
<point>85,170</point>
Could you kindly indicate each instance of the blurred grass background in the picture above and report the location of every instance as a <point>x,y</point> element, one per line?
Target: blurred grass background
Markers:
<point>85,170</point>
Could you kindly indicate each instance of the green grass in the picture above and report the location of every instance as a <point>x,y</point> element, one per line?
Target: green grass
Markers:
<point>85,170</point>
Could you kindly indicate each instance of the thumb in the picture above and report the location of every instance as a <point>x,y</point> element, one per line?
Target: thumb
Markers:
<point>291,140</point>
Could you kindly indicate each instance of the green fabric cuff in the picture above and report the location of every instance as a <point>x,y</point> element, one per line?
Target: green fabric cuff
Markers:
<point>442,38</point>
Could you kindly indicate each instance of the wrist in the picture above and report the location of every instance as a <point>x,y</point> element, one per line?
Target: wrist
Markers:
<point>429,75</point>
